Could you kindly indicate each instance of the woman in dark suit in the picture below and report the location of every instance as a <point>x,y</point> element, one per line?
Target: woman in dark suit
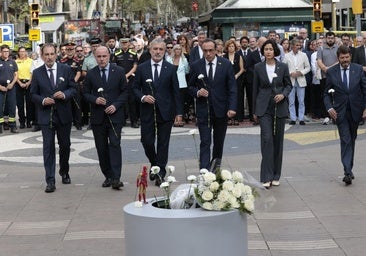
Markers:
<point>271,87</point>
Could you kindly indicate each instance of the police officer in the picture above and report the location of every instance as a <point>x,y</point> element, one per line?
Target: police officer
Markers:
<point>73,62</point>
<point>127,58</point>
<point>8,78</point>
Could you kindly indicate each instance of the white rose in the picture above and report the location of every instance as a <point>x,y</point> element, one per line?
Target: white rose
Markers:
<point>214,186</point>
<point>218,205</point>
<point>237,176</point>
<point>155,169</point>
<point>191,178</point>
<point>171,168</point>
<point>226,175</point>
<point>148,80</point>
<point>207,195</point>
<point>62,79</point>
<point>201,76</point>
<point>223,196</point>
<point>207,206</point>
<point>8,81</point>
<point>331,91</point>
<point>100,90</point>
<point>228,185</point>
<point>247,190</point>
<point>203,171</point>
<point>164,184</point>
<point>209,177</point>
<point>171,179</point>
<point>236,191</point>
<point>249,205</point>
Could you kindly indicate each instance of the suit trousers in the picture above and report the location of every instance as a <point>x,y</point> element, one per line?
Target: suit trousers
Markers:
<point>62,131</point>
<point>219,127</point>
<point>271,147</point>
<point>108,147</point>
<point>347,129</point>
<point>158,156</point>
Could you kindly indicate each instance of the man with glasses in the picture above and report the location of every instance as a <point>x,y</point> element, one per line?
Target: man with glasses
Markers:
<point>73,63</point>
<point>8,78</point>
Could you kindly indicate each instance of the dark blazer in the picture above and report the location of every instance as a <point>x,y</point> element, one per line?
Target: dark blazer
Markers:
<point>359,56</point>
<point>353,97</point>
<point>222,93</point>
<point>115,92</point>
<point>41,88</point>
<point>165,91</point>
<point>253,57</point>
<point>264,91</point>
<point>194,55</point>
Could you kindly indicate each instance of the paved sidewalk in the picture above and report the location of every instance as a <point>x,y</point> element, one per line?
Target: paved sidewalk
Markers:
<point>310,213</point>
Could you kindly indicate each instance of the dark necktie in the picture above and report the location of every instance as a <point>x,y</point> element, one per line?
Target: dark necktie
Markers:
<point>104,77</point>
<point>52,78</point>
<point>345,83</point>
<point>210,74</point>
<point>156,73</point>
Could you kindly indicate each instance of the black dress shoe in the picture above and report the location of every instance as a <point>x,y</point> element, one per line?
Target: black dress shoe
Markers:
<point>292,122</point>
<point>347,179</point>
<point>107,183</point>
<point>65,178</point>
<point>135,125</point>
<point>22,126</point>
<point>116,184</point>
<point>29,125</point>
<point>36,128</point>
<point>152,176</point>
<point>302,123</point>
<point>50,188</point>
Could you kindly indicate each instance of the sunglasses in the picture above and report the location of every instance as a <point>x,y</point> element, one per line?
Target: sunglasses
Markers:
<point>169,47</point>
<point>79,51</point>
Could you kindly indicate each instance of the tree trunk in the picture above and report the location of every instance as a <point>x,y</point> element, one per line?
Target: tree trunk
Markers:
<point>92,7</point>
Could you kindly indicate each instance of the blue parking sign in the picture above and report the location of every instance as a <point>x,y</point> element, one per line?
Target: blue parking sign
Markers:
<point>8,34</point>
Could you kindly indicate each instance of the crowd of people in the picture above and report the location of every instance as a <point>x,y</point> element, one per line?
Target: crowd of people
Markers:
<point>160,80</point>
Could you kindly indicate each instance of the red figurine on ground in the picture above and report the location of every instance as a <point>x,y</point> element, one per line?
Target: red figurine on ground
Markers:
<point>141,183</point>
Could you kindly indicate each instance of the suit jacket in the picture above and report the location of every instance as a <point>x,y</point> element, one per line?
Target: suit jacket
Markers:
<point>264,91</point>
<point>359,56</point>
<point>41,88</point>
<point>222,91</point>
<point>194,55</point>
<point>351,99</point>
<point>115,92</point>
<point>303,66</point>
<point>165,91</point>
<point>252,59</point>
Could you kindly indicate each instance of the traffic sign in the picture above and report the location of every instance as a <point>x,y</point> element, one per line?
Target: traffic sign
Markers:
<point>34,34</point>
<point>7,35</point>
<point>317,26</point>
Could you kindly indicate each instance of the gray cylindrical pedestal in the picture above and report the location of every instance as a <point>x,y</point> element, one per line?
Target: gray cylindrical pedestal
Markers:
<point>151,231</point>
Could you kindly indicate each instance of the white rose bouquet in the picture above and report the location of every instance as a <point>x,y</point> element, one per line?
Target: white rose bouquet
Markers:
<point>224,191</point>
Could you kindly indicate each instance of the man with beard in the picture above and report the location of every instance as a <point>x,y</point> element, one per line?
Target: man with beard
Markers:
<point>326,58</point>
<point>346,105</point>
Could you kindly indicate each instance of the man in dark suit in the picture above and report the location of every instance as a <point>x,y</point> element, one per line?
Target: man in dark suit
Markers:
<point>52,89</point>
<point>254,56</point>
<point>213,85</point>
<point>105,88</point>
<point>346,104</point>
<point>359,55</point>
<point>156,86</point>
<point>196,52</point>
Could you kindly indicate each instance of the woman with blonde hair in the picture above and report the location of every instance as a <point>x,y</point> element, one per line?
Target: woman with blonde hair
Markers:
<point>178,59</point>
<point>237,61</point>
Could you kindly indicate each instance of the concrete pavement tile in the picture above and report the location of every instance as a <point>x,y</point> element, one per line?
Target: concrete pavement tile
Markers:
<point>324,252</point>
<point>292,230</point>
<point>352,246</point>
<point>345,226</point>
<point>93,247</point>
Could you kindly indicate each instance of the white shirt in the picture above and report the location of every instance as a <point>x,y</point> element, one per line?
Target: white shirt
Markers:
<point>214,65</point>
